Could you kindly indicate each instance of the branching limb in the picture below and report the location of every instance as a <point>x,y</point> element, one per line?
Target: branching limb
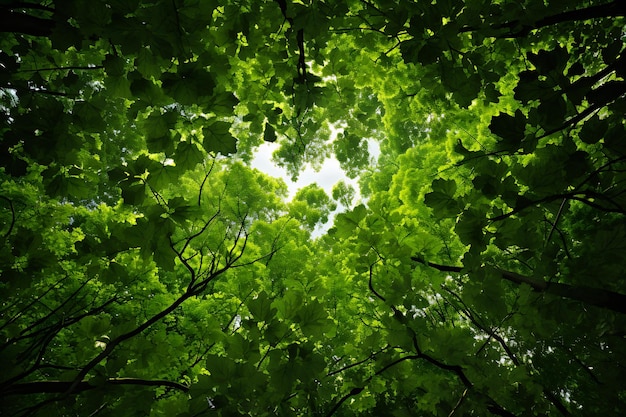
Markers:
<point>12,209</point>
<point>204,180</point>
<point>493,406</point>
<point>598,297</point>
<point>517,30</point>
<point>478,323</point>
<point>74,68</point>
<point>458,404</point>
<point>357,390</point>
<point>16,22</point>
<point>301,66</point>
<point>584,197</point>
<point>27,307</point>
<point>110,347</point>
<point>556,221</point>
<point>42,338</point>
<point>28,5</point>
<point>352,393</point>
<point>352,365</point>
<point>371,285</point>
<point>26,332</point>
<point>50,387</point>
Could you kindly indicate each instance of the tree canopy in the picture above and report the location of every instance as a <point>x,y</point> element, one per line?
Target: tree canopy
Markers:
<point>147,269</point>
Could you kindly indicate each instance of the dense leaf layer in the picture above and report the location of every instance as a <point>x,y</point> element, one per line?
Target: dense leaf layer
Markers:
<point>146,270</point>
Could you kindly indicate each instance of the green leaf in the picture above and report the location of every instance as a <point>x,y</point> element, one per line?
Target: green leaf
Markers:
<point>261,307</point>
<point>269,134</point>
<point>90,116</point>
<point>217,138</point>
<point>529,87</point>
<point>614,139</point>
<point>95,326</point>
<point>289,304</point>
<point>65,36</point>
<point>576,69</point>
<point>223,104</point>
<point>192,84</point>
<point>548,62</point>
<point>487,184</point>
<point>146,90</point>
<point>133,192</point>
<point>468,91</point>
<point>429,53</point>
<point>552,112</point>
<point>159,136</point>
<point>221,369</point>
<point>116,274</point>
<point>491,93</point>
<point>187,155</point>
<point>441,199</point>
<point>114,65</point>
<point>164,256</point>
<point>510,128</point>
<point>78,187</point>
<point>243,349</point>
<point>593,130</point>
<point>313,319</point>
<point>158,144</point>
<point>118,86</point>
<point>148,63</point>
<point>470,226</point>
<point>345,223</point>
<point>62,185</point>
<point>161,176</point>
<point>444,186</point>
<point>182,90</point>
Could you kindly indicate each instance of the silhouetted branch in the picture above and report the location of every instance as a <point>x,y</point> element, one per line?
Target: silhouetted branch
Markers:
<point>352,365</point>
<point>27,5</point>
<point>598,297</point>
<point>13,22</point>
<point>518,29</point>
<point>51,387</point>
<point>92,67</point>
<point>6,235</point>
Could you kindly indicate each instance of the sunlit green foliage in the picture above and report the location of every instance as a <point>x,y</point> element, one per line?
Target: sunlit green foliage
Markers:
<point>147,270</point>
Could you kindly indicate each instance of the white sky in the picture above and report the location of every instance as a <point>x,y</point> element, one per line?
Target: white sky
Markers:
<point>329,174</point>
<point>326,177</point>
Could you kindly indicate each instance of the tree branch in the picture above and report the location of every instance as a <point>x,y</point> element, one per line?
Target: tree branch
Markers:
<point>476,322</point>
<point>574,195</point>
<point>458,404</point>
<point>493,407</point>
<point>13,22</point>
<point>517,29</point>
<point>28,5</point>
<point>301,66</point>
<point>121,338</point>
<point>352,393</point>
<point>597,297</point>
<point>93,67</point>
<point>352,365</point>
<point>614,9</point>
<point>50,387</point>
<point>6,235</point>
<point>371,285</point>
